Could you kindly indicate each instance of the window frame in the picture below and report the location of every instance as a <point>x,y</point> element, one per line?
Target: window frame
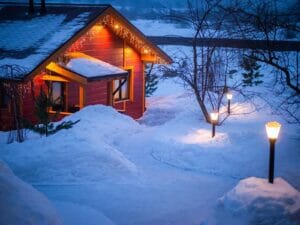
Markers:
<point>129,81</point>
<point>63,95</point>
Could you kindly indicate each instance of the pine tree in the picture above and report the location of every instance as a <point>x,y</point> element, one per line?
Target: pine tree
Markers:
<point>151,81</point>
<point>251,72</point>
<point>45,126</point>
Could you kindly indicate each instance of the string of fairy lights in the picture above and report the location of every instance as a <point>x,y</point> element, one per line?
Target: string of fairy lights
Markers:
<point>122,31</point>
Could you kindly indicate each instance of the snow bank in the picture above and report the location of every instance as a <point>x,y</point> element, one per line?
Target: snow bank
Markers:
<point>266,202</point>
<point>68,211</point>
<point>86,153</point>
<point>21,204</point>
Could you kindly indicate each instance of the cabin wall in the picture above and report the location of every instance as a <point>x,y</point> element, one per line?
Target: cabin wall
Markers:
<point>5,119</point>
<point>100,42</point>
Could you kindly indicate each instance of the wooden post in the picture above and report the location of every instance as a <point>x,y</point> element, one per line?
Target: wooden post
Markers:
<point>81,96</point>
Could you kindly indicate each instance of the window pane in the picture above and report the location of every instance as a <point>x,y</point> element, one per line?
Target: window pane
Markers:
<point>58,96</point>
<point>116,86</point>
<point>57,92</point>
<point>124,90</point>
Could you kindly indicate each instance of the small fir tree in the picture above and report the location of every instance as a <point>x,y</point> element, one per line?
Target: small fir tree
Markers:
<point>251,74</point>
<point>45,126</point>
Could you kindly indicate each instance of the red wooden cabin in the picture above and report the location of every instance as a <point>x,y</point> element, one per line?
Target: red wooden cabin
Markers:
<point>84,54</point>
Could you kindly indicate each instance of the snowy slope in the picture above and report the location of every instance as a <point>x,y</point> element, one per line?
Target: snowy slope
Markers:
<point>82,154</point>
<point>165,170</point>
<point>21,204</point>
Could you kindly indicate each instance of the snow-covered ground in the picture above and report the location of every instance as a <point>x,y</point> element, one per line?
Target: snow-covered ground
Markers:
<point>21,204</point>
<point>164,168</point>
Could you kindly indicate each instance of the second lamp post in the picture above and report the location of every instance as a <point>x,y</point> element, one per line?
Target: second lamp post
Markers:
<point>229,97</point>
<point>214,116</point>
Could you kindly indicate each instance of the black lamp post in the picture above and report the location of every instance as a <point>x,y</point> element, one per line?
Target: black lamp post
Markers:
<point>214,116</point>
<point>229,97</point>
<point>272,129</point>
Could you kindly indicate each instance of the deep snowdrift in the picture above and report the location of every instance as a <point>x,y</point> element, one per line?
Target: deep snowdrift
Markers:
<point>265,202</point>
<point>21,204</point>
<point>85,153</point>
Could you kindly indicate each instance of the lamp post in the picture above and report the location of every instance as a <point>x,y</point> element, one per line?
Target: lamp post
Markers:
<point>214,116</point>
<point>272,129</point>
<point>229,97</point>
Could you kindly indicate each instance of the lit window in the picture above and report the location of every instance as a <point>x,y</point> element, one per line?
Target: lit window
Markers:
<point>121,89</point>
<point>58,96</point>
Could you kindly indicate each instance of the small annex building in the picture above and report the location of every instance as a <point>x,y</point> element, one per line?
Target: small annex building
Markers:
<point>80,54</point>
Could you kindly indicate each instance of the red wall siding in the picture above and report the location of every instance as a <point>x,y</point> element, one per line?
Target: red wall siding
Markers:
<point>135,108</point>
<point>72,93</point>
<point>5,119</point>
<point>100,43</point>
<point>96,93</point>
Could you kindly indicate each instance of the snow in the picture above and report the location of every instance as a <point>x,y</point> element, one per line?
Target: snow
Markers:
<point>162,28</point>
<point>24,30</point>
<point>162,169</point>
<point>93,159</point>
<point>21,204</point>
<point>269,202</point>
<point>93,67</point>
<point>19,36</point>
<point>68,210</point>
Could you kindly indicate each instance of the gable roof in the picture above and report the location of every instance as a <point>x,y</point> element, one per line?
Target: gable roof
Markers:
<point>30,41</point>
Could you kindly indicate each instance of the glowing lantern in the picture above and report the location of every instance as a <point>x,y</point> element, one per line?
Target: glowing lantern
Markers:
<point>214,116</point>
<point>273,129</point>
<point>229,97</point>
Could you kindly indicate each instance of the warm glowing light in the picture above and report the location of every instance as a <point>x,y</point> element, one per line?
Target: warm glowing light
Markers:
<point>146,51</point>
<point>229,95</point>
<point>273,129</point>
<point>116,26</point>
<point>214,116</point>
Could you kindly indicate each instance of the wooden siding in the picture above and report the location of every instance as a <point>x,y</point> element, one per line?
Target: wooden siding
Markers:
<point>101,43</point>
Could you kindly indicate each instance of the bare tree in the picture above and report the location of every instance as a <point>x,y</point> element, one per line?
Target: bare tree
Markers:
<point>263,20</point>
<point>15,90</point>
<point>205,71</point>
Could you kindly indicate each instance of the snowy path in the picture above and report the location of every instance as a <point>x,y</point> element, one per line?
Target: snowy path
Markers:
<point>165,170</point>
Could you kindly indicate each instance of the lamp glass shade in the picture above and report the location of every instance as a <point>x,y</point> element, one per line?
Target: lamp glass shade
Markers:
<point>214,116</point>
<point>229,95</point>
<point>273,129</point>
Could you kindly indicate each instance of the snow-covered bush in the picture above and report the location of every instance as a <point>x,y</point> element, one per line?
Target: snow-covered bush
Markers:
<point>265,203</point>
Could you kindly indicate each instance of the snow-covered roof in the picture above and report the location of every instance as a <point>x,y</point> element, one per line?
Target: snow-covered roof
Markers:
<point>28,40</point>
<point>93,68</point>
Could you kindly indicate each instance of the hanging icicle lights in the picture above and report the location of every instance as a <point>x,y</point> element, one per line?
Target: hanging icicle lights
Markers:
<point>122,31</point>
